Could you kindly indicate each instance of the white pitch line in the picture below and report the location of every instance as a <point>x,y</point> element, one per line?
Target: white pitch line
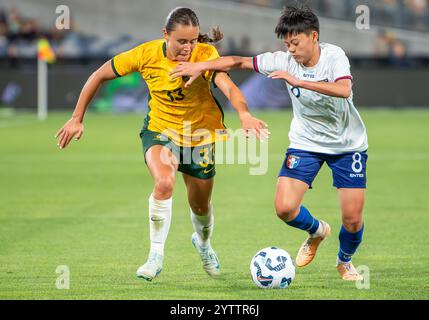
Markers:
<point>377,156</point>
<point>134,157</point>
<point>17,124</point>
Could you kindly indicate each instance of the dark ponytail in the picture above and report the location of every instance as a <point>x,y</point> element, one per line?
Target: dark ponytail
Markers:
<point>217,35</point>
<point>187,17</point>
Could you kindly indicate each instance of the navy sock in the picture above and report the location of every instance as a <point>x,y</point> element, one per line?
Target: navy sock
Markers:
<point>349,242</point>
<point>304,221</point>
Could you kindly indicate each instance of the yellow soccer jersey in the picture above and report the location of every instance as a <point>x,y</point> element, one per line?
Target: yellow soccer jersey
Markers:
<point>188,116</point>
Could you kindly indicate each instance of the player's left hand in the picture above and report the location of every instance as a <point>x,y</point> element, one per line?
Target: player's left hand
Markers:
<point>294,82</point>
<point>72,129</point>
<point>187,69</point>
<point>254,127</point>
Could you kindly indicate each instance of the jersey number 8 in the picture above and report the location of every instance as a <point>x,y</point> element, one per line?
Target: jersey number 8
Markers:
<point>357,163</point>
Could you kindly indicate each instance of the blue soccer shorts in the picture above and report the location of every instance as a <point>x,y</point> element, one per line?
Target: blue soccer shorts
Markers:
<point>348,169</point>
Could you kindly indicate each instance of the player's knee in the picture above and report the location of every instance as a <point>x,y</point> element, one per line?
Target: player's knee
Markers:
<point>286,210</point>
<point>200,209</point>
<point>352,224</point>
<point>164,186</point>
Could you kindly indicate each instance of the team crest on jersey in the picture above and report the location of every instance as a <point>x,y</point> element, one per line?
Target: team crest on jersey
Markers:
<point>292,161</point>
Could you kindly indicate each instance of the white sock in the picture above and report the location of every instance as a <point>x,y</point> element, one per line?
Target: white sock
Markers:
<point>318,232</point>
<point>159,223</point>
<point>203,225</point>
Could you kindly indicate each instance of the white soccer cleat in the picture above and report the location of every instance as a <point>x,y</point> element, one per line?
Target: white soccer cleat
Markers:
<point>152,267</point>
<point>208,257</point>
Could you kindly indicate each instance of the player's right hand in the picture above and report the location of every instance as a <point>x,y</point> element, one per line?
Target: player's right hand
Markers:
<point>187,69</point>
<point>254,127</point>
<point>73,128</point>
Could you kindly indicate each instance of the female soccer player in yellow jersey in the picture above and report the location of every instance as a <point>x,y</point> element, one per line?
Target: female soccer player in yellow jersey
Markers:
<point>179,131</point>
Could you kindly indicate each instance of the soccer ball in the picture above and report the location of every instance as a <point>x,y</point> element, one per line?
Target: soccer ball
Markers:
<point>272,268</point>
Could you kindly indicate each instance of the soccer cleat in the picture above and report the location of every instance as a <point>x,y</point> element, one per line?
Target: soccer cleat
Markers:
<point>309,248</point>
<point>152,267</point>
<point>208,257</point>
<point>348,272</point>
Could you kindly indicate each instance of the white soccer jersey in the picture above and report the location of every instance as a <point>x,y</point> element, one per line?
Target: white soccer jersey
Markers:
<point>320,123</point>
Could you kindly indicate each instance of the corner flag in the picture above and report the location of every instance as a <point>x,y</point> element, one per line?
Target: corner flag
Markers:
<point>45,55</point>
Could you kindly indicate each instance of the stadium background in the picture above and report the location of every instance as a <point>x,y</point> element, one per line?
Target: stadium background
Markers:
<point>86,207</point>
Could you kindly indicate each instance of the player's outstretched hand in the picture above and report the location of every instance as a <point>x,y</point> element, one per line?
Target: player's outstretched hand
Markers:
<point>187,69</point>
<point>254,127</point>
<point>294,82</point>
<point>72,129</point>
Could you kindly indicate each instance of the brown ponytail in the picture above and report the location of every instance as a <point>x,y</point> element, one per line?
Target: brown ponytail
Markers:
<point>217,35</point>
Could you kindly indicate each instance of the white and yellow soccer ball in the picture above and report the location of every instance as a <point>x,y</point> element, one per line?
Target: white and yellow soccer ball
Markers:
<point>272,268</point>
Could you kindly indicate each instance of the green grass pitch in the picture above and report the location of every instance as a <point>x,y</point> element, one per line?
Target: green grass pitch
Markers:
<point>86,207</point>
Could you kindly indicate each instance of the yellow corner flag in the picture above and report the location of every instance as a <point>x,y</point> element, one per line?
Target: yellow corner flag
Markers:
<point>45,51</point>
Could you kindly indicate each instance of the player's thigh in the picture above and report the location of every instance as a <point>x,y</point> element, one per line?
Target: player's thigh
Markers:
<point>160,153</point>
<point>162,164</point>
<point>348,170</point>
<point>349,177</point>
<point>199,192</point>
<point>296,176</point>
<point>301,165</point>
<point>289,195</point>
<point>352,201</point>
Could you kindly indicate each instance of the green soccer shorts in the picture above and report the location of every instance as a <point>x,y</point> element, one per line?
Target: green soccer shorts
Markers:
<point>198,161</point>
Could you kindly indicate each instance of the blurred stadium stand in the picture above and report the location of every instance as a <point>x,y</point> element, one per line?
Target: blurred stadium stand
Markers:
<point>405,14</point>
<point>393,52</point>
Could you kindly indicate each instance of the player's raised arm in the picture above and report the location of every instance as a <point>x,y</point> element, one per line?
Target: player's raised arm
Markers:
<point>341,88</point>
<point>250,124</point>
<point>73,128</point>
<point>194,70</point>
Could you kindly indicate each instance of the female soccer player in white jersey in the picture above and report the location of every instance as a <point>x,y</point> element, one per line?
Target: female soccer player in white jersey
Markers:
<point>326,127</point>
